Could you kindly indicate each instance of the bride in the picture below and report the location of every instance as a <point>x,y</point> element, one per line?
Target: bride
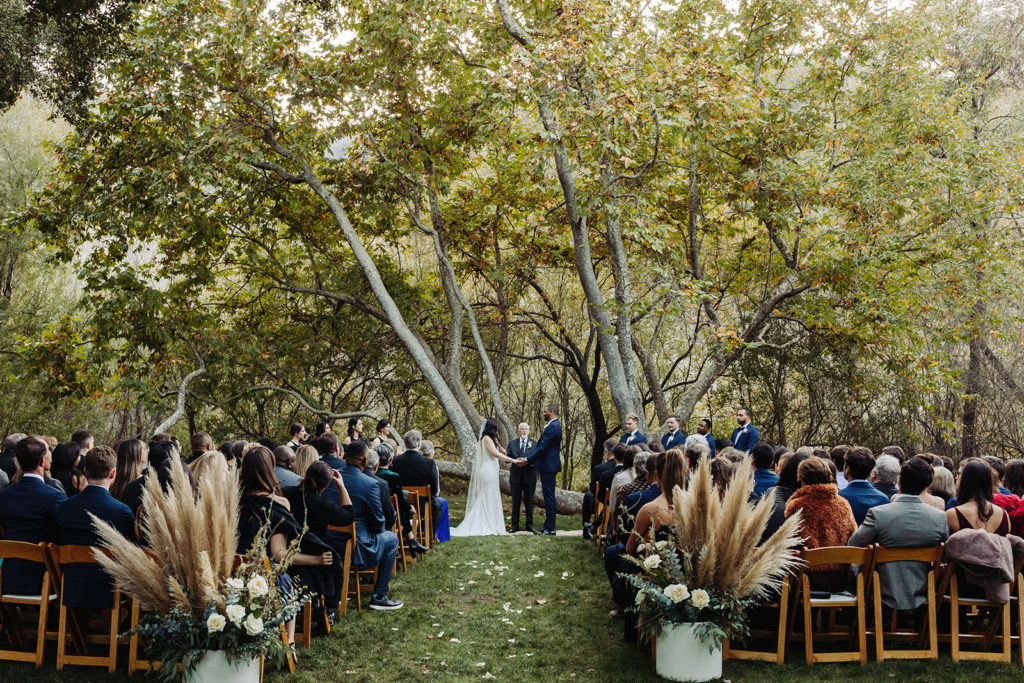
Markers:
<point>484,515</point>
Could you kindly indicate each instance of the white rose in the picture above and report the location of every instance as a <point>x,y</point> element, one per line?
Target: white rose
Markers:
<point>700,599</point>
<point>661,545</point>
<point>257,586</point>
<point>235,584</point>
<point>652,562</point>
<point>253,625</point>
<point>235,613</point>
<point>215,623</point>
<point>677,592</point>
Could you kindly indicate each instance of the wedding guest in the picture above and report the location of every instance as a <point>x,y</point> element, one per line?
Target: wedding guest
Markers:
<point>284,466</point>
<point>305,456</point>
<point>999,467</point>
<point>943,485</point>
<point>372,463</point>
<point>87,585</point>
<point>237,450</point>
<point>859,492</point>
<point>974,509</point>
<point>8,462</point>
<point>201,442</point>
<point>28,513</point>
<point>330,451</point>
<point>590,497</point>
<point>885,473</point>
<point>209,461</point>
<point>439,511</point>
<point>721,474</point>
<point>764,457</point>
<point>639,483</point>
<point>896,452</point>
<point>838,456</point>
<point>826,519</point>
<point>132,455</point>
<point>297,432</point>
<point>162,455</point>
<point>1013,477</point>
<point>82,438</point>
<point>788,483</point>
<point>385,456</point>
<point>314,505</point>
<point>64,468</point>
<point>375,546</point>
<point>905,522</point>
<point>625,475</point>
<point>416,469</point>
<point>696,448</point>
<point>316,565</point>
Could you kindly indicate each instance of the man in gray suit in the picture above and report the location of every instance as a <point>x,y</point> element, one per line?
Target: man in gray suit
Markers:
<point>906,522</point>
<point>522,480</point>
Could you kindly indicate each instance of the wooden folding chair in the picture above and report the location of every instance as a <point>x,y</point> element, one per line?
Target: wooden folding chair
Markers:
<point>932,556</point>
<point>1018,597</point>
<point>843,555</point>
<point>780,634</point>
<point>352,585</point>
<point>420,498</point>
<point>135,663</point>
<point>346,564</point>
<point>59,556</point>
<point>601,513</point>
<point>11,603</point>
<point>997,613</point>
<point>400,557</point>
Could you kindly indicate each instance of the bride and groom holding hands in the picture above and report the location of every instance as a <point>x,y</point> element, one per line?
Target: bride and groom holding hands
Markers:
<point>484,514</point>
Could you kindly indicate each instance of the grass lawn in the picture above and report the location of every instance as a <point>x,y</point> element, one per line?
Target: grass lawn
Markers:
<point>523,608</point>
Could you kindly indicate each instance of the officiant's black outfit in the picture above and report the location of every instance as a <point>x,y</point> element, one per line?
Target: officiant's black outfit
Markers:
<point>522,480</point>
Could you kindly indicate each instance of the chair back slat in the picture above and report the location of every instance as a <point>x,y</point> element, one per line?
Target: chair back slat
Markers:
<point>75,554</point>
<point>931,554</point>
<point>19,550</point>
<point>348,528</point>
<point>814,557</point>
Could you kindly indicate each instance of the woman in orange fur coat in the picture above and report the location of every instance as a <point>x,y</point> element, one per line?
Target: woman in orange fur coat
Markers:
<point>827,520</point>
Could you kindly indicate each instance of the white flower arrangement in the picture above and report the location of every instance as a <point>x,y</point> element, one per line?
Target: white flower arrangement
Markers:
<point>215,623</point>
<point>677,592</point>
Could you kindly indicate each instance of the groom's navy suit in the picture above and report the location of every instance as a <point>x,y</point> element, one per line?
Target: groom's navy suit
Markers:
<point>548,461</point>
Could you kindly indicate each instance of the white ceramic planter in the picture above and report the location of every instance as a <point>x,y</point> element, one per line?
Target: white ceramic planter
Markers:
<point>682,657</point>
<point>214,667</point>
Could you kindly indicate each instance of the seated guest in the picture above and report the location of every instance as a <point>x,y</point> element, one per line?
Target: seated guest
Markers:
<point>28,512</point>
<point>237,448</point>
<point>372,462</point>
<point>781,492</point>
<point>416,469</point>
<point>314,505</point>
<point>625,475</point>
<point>999,467</point>
<point>885,474</point>
<point>639,483</point>
<point>1013,478</point>
<point>590,497</point>
<point>305,456</point>
<point>330,450</point>
<point>696,448</point>
<point>442,528</point>
<point>207,462</point>
<point>8,463</point>
<point>375,546</point>
<point>201,443</point>
<point>974,509</point>
<point>826,519</point>
<point>896,452</point>
<point>87,585</point>
<point>1012,502</point>
<point>298,434</point>
<point>838,456</point>
<point>162,455</point>
<point>906,522</point>
<point>132,455</point>
<point>385,454</point>
<point>721,474</point>
<point>763,456</point>
<point>943,485</point>
<point>316,565</point>
<point>64,468</point>
<point>284,466</point>
<point>859,492</point>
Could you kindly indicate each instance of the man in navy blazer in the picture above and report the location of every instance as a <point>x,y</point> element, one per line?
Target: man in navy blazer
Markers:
<point>87,585</point>
<point>746,436</point>
<point>673,438</point>
<point>546,457</point>
<point>859,492</point>
<point>329,450</point>
<point>631,434</point>
<point>28,512</point>
<point>375,545</point>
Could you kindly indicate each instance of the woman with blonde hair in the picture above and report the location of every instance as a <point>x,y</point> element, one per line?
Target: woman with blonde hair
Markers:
<point>210,460</point>
<point>304,457</point>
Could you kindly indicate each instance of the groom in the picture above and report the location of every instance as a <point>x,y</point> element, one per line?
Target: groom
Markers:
<point>546,457</point>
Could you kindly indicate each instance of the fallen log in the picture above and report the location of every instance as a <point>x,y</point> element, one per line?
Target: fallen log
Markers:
<point>566,502</point>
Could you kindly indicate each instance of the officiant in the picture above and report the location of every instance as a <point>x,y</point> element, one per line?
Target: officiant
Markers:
<point>522,480</point>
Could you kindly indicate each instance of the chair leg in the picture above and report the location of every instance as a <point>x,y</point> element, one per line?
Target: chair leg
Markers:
<point>44,605</point>
<point>879,625</point>
<point>933,626</point>
<point>808,626</point>
<point>954,621</point>
<point>133,642</point>
<point>861,623</point>
<point>115,616</point>
<point>1006,633</point>
<point>62,634</point>
<point>780,646</point>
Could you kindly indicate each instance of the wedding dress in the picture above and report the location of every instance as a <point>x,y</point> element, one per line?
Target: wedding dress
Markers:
<point>484,515</point>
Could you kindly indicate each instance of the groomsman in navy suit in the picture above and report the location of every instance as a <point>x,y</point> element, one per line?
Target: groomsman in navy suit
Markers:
<point>704,429</point>
<point>746,435</point>
<point>548,461</point>
<point>673,438</point>
<point>632,435</point>
<point>522,480</point>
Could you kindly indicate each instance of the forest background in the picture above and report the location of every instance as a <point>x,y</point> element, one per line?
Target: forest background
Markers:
<point>439,211</point>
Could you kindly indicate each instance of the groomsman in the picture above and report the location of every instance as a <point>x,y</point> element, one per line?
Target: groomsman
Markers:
<point>673,438</point>
<point>746,436</point>
<point>704,429</point>
<point>632,435</point>
<point>522,480</point>
<point>547,456</point>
